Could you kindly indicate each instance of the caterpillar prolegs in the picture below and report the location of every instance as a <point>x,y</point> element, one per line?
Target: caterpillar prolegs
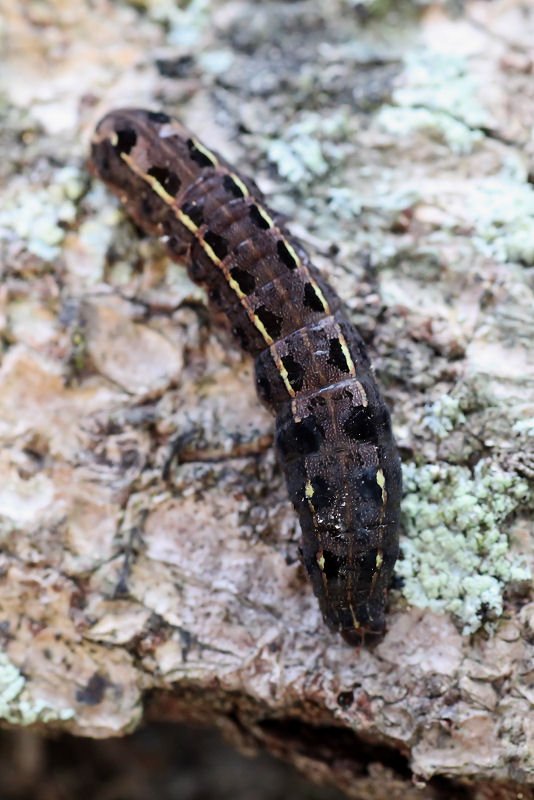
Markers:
<point>333,432</point>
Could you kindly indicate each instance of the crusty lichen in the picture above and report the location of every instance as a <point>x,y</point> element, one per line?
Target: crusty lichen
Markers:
<point>95,235</point>
<point>309,147</point>
<point>443,415</point>
<point>456,555</point>
<point>39,217</point>
<point>501,211</point>
<point>524,427</point>
<point>16,706</point>
<point>11,685</point>
<point>185,21</point>
<point>455,133</point>
<point>436,93</point>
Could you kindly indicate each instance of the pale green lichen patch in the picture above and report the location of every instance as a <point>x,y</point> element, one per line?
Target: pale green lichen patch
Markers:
<point>456,554</point>
<point>436,93</point>
<point>444,82</point>
<point>401,122</point>
<point>38,219</point>
<point>11,685</point>
<point>344,203</point>
<point>497,212</point>
<point>185,22</point>
<point>86,261</point>
<point>443,415</point>
<point>309,147</point>
<point>216,62</point>
<point>16,706</point>
<point>524,427</point>
<point>501,211</point>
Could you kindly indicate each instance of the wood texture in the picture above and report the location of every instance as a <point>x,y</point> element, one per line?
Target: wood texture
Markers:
<point>149,562</point>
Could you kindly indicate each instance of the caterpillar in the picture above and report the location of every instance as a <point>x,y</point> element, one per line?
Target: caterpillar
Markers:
<point>333,431</point>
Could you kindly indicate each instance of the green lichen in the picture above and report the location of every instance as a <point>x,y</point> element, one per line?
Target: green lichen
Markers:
<point>310,147</point>
<point>344,203</point>
<point>443,415</point>
<point>185,22</point>
<point>11,685</point>
<point>17,706</point>
<point>437,94</point>
<point>215,62</point>
<point>38,218</point>
<point>439,125</point>
<point>456,555</point>
<point>501,211</point>
<point>524,427</point>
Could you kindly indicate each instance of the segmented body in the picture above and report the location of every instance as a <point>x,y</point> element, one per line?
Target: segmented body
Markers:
<point>333,431</point>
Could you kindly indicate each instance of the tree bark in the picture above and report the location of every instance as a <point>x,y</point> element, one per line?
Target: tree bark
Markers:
<point>149,564</point>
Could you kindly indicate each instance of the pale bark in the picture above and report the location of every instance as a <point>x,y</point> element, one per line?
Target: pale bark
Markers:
<point>149,551</point>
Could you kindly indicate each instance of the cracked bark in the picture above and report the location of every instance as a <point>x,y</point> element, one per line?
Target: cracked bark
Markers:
<point>149,552</point>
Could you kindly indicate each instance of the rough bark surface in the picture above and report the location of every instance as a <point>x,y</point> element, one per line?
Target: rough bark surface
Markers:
<point>149,552</point>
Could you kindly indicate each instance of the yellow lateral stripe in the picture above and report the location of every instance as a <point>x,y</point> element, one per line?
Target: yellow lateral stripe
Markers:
<point>381,480</point>
<point>346,353</point>
<point>299,265</point>
<point>190,225</point>
<point>263,213</point>
<point>308,494</point>
<point>193,228</point>
<point>379,560</point>
<point>205,152</point>
<point>210,252</point>
<point>160,191</point>
<point>187,221</point>
<point>282,370</point>
<point>320,295</point>
<point>355,622</point>
<point>239,183</point>
<point>292,252</point>
<point>235,287</point>
<point>256,321</point>
<point>317,289</point>
<point>157,187</point>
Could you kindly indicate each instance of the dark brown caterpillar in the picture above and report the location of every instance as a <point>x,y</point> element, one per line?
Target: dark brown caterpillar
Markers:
<point>333,430</point>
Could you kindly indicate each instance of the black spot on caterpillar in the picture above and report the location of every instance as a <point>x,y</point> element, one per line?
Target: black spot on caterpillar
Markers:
<point>333,432</point>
